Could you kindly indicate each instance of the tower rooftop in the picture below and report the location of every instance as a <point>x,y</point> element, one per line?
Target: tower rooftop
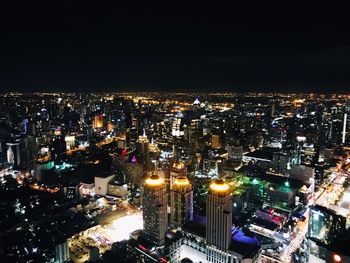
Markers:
<point>181,181</point>
<point>219,186</point>
<point>154,181</point>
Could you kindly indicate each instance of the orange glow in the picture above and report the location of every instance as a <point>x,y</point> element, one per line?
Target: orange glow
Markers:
<point>98,121</point>
<point>57,132</point>
<point>337,258</point>
<point>219,186</point>
<point>154,181</point>
<point>181,181</point>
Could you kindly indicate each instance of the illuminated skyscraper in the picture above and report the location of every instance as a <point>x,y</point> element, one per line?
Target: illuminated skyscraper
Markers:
<point>13,153</point>
<point>181,202</point>
<point>142,148</point>
<point>178,169</point>
<point>325,239</point>
<point>325,224</point>
<point>215,141</point>
<point>219,215</point>
<point>98,121</point>
<point>155,200</point>
<point>153,155</point>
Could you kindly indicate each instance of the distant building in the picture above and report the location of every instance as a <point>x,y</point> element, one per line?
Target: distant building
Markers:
<point>177,169</point>
<point>58,146</point>
<point>71,191</point>
<point>302,173</point>
<point>117,189</point>
<point>134,172</point>
<point>70,141</point>
<point>215,141</point>
<point>14,153</point>
<point>98,122</point>
<point>326,239</point>
<point>325,225</point>
<point>280,163</point>
<point>101,184</point>
<point>94,254</point>
<point>62,252</point>
<point>235,153</point>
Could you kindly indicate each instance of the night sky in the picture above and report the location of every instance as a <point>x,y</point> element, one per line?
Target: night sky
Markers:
<point>168,46</point>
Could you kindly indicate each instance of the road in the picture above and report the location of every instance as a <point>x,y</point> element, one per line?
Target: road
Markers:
<point>326,196</point>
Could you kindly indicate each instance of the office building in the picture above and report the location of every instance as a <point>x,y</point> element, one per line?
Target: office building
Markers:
<point>155,201</point>
<point>325,225</point>
<point>219,215</point>
<point>181,202</point>
<point>98,122</point>
<point>61,252</point>
<point>13,153</point>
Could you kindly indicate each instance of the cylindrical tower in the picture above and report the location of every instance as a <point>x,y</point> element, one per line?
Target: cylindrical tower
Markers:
<point>181,202</point>
<point>155,200</point>
<point>219,215</point>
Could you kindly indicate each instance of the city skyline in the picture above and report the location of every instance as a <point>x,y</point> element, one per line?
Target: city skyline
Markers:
<point>162,132</point>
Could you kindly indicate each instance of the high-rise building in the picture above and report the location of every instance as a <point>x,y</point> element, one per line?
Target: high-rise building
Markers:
<point>181,202</point>
<point>344,127</point>
<point>215,141</point>
<point>325,239</point>
<point>13,153</point>
<point>61,252</point>
<point>142,148</point>
<point>153,155</point>
<point>219,215</point>
<point>58,145</point>
<point>155,201</point>
<point>235,153</point>
<point>280,162</point>
<point>98,122</point>
<point>325,224</point>
<point>177,169</point>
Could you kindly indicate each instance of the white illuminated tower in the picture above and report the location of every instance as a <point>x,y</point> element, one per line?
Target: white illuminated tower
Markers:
<point>347,109</point>
<point>219,215</point>
<point>344,128</point>
<point>181,202</point>
<point>155,201</point>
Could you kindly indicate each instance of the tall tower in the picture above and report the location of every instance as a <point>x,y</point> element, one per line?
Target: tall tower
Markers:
<point>219,215</point>
<point>181,202</point>
<point>14,153</point>
<point>155,200</point>
<point>178,169</point>
<point>344,127</point>
<point>142,147</point>
<point>98,122</point>
<point>347,109</point>
<point>153,155</point>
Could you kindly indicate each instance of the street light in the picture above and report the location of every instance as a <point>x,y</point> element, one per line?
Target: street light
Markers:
<point>336,258</point>
<point>287,183</point>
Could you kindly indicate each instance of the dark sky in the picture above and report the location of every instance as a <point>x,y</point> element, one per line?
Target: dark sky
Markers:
<point>151,46</point>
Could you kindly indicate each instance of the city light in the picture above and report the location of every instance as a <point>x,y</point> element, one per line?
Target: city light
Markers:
<point>181,181</point>
<point>337,258</point>
<point>154,181</point>
<point>120,229</point>
<point>219,186</point>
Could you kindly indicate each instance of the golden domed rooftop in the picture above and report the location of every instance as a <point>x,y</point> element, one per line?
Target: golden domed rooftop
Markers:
<point>219,186</point>
<point>154,180</point>
<point>181,181</point>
